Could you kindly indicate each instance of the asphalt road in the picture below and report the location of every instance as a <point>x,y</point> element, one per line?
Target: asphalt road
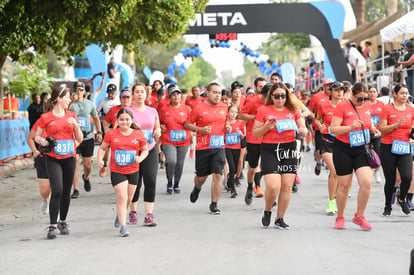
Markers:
<point>189,240</point>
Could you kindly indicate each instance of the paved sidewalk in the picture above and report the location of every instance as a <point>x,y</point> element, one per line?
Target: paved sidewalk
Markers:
<point>188,240</point>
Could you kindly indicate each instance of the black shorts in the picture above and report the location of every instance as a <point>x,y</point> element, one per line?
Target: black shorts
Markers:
<point>318,140</point>
<point>118,178</point>
<point>253,154</point>
<point>209,161</point>
<point>347,159</point>
<point>85,149</point>
<point>327,142</point>
<point>41,170</point>
<point>243,142</point>
<point>279,158</point>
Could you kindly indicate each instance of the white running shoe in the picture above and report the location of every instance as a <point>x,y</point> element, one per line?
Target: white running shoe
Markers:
<point>377,177</point>
<point>45,207</point>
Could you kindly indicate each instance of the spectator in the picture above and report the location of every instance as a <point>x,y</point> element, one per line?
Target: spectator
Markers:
<point>407,63</point>
<point>357,62</point>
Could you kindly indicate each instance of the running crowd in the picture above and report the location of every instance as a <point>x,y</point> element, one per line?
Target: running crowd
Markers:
<point>268,125</point>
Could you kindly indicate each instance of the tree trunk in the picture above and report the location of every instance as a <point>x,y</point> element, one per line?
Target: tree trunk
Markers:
<point>392,7</point>
<point>2,60</point>
<point>360,11</point>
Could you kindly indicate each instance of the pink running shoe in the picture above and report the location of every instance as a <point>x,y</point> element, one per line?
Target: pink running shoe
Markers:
<point>149,220</point>
<point>340,222</point>
<point>297,179</point>
<point>133,217</point>
<point>362,222</point>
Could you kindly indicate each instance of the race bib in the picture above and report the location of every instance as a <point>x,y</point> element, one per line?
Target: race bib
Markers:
<point>356,138</point>
<point>232,138</point>
<point>329,131</point>
<point>64,147</point>
<point>178,135</point>
<point>84,124</point>
<point>148,135</point>
<point>400,147</point>
<point>375,120</point>
<point>216,141</point>
<point>125,157</point>
<point>285,125</point>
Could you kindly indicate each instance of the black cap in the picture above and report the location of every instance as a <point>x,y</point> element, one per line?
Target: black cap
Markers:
<point>111,88</point>
<point>409,44</point>
<point>266,88</point>
<point>236,84</point>
<point>336,85</point>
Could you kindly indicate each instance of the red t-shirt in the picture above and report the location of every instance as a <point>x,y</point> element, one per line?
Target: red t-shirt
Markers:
<point>153,100</point>
<point>192,102</point>
<point>392,115</point>
<point>210,115</point>
<point>346,112</point>
<point>251,106</point>
<point>173,119</point>
<point>284,131</point>
<point>376,110</point>
<point>110,117</point>
<point>62,131</point>
<point>315,102</point>
<point>233,139</point>
<point>326,112</point>
<point>124,149</point>
<point>241,102</point>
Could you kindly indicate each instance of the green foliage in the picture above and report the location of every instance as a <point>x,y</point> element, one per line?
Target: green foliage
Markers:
<point>200,73</point>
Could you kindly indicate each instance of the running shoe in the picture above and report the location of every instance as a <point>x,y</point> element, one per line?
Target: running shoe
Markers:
<point>248,197</point>
<point>233,193</point>
<point>332,208</point>
<point>237,182</point>
<point>75,194</point>
<point>86,184</point>
<point>214,210</point>
<point>410,205</point>
<point>404,208</point>
<point>295,188</point>
<point>149,220</point>
<point>45,207</point>
<point>387,211</point>
<point>307,148</point>
<point>124,231</point>
<point>318,168</point>
<point>102,172</point>
<point>177,189</point>
<point>340,222</point>
<point>116,222</point>
<point>297,179</point>
<point>377,177</point>
<point>267,215</point>
<point>259,192</point>
<point>280,224</point>
<point>51,232</point>
<point>133,217</point>
<point>194,194</point>
<point>362,222</point>
<point>63,228</point>
<point>169,188</point>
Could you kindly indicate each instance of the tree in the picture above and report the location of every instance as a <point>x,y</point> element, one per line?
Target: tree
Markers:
<point>68,26</point>
<point>200,73</point>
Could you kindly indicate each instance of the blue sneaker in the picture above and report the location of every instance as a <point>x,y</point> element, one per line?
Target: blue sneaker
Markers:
<point>124,231</point>
<point>116,222</point>
<point>410,205</point>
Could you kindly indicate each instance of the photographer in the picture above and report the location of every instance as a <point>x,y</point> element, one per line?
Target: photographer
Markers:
<point>407,63</point>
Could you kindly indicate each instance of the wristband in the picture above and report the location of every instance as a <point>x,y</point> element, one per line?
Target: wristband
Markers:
<point>99,133</point>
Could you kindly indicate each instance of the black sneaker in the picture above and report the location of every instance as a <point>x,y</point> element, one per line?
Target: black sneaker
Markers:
<point>274,204</point>
<point>237,182</point>
<point>241,175</point>
<point>169,188</point>
<point>75,194</point>
<point>404,208</point>
<point>86,184</point>
<point>248,197</point>
<point>307,149</point>
<point>194,194</point>
<point>294,188</point>
<point>63,228</point>
<point>177,189</point>
<point>233,193</point>
<point>214,210</point>
<point>280,224</point>
<point>266,218</point>
<point>387,211</point>
<point>318,168</point>
<point>51,232</point>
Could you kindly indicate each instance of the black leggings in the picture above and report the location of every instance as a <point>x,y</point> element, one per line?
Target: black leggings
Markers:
<point>61,173</point>
<point>232,156</point>
<point>148,170</point>
<point>389,163</point>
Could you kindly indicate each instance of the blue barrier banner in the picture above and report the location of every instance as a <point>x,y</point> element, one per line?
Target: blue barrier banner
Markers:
<point>13,135</point>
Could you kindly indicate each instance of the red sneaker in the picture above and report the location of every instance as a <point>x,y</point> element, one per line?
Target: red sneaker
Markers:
<point>297,179</point>
<point>362,222</point>
<point>340,222</point>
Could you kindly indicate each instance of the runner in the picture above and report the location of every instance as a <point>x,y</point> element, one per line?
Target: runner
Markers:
<point>129,149</point>
<point>396,122</point>
<point>276,122</point>
<point>351,124</point>
<point>62,130</point>
<point>208,120</point>
<point>175,139</point>
<point>323,121</point>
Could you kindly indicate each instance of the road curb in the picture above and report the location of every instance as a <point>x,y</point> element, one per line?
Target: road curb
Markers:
<point>12,166</point>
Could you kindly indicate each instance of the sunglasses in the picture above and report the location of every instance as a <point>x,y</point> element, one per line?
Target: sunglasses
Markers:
<point>279,96</point>
<point>80,89</point>
<point>362,99</point>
